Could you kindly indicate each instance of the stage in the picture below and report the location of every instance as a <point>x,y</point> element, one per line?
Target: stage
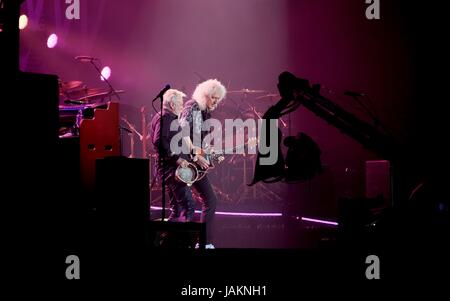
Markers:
<point>222,148</point>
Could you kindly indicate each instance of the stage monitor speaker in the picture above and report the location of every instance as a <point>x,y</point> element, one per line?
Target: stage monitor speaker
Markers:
<point>122,201</point>
<point>123,189</point>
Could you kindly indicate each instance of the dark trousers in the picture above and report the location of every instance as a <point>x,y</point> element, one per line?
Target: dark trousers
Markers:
<point>209,200</point>
<point>182,201</point>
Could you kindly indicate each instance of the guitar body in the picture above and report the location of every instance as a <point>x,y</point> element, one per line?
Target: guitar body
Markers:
<point>193,172</point>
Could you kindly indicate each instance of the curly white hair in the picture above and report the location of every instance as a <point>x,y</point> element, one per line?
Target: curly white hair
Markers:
<point>206,89</point>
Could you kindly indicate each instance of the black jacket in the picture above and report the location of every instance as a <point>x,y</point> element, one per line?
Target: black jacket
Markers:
<point>163,148</point>
<point>192,119</point>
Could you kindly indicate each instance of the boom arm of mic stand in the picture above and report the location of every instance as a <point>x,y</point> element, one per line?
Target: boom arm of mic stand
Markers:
<point>109,84</point>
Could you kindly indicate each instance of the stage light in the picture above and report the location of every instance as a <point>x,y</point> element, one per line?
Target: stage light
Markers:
<point>52,40</point>
<point>320,221</point>
<point>266,214</point>
<point>106,73</point>
<point>23,22</point>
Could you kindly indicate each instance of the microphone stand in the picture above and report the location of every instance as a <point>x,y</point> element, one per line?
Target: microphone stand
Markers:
<point>161,163</point>
<point>160,152</point>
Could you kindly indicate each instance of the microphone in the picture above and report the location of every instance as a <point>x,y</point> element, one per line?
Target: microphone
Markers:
<point>354,94</point>
<point>84,58</point>
<point>161,93</point>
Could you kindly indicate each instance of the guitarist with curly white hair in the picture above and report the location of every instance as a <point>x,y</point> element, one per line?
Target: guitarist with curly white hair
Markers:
<point>196,112</point>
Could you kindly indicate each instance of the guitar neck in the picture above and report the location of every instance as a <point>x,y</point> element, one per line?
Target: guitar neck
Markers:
<point>216,155</point>
<point>233,149</point>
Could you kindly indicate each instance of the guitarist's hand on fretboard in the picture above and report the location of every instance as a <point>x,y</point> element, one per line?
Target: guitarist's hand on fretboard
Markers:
<point>220,159</point>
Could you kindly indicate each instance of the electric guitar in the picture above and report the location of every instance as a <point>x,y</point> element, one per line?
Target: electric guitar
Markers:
<point>193,172</point>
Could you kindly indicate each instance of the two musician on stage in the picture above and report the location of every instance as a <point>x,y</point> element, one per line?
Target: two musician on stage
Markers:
<point>191,117</point>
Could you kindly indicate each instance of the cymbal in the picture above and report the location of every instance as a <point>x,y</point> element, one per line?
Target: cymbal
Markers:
<point>270,95</point>
<point>70,85</point>
<point>74,105</point>
<point>91,93</point>
<point>247,91</point>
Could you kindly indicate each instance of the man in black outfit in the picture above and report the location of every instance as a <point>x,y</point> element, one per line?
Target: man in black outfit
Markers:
<point>196,111</point>
<point>181,202</point>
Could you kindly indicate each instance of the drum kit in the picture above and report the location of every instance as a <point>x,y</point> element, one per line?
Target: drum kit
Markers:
<point>76,101</point>
<point>77,93</point>
<point>231,180</point>
<point>261,98</point>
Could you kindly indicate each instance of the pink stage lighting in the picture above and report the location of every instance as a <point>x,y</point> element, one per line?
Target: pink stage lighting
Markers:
<point>106,73</point>
<point>23,22</point>
<point>52,40</point>
<point>320,221</point>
